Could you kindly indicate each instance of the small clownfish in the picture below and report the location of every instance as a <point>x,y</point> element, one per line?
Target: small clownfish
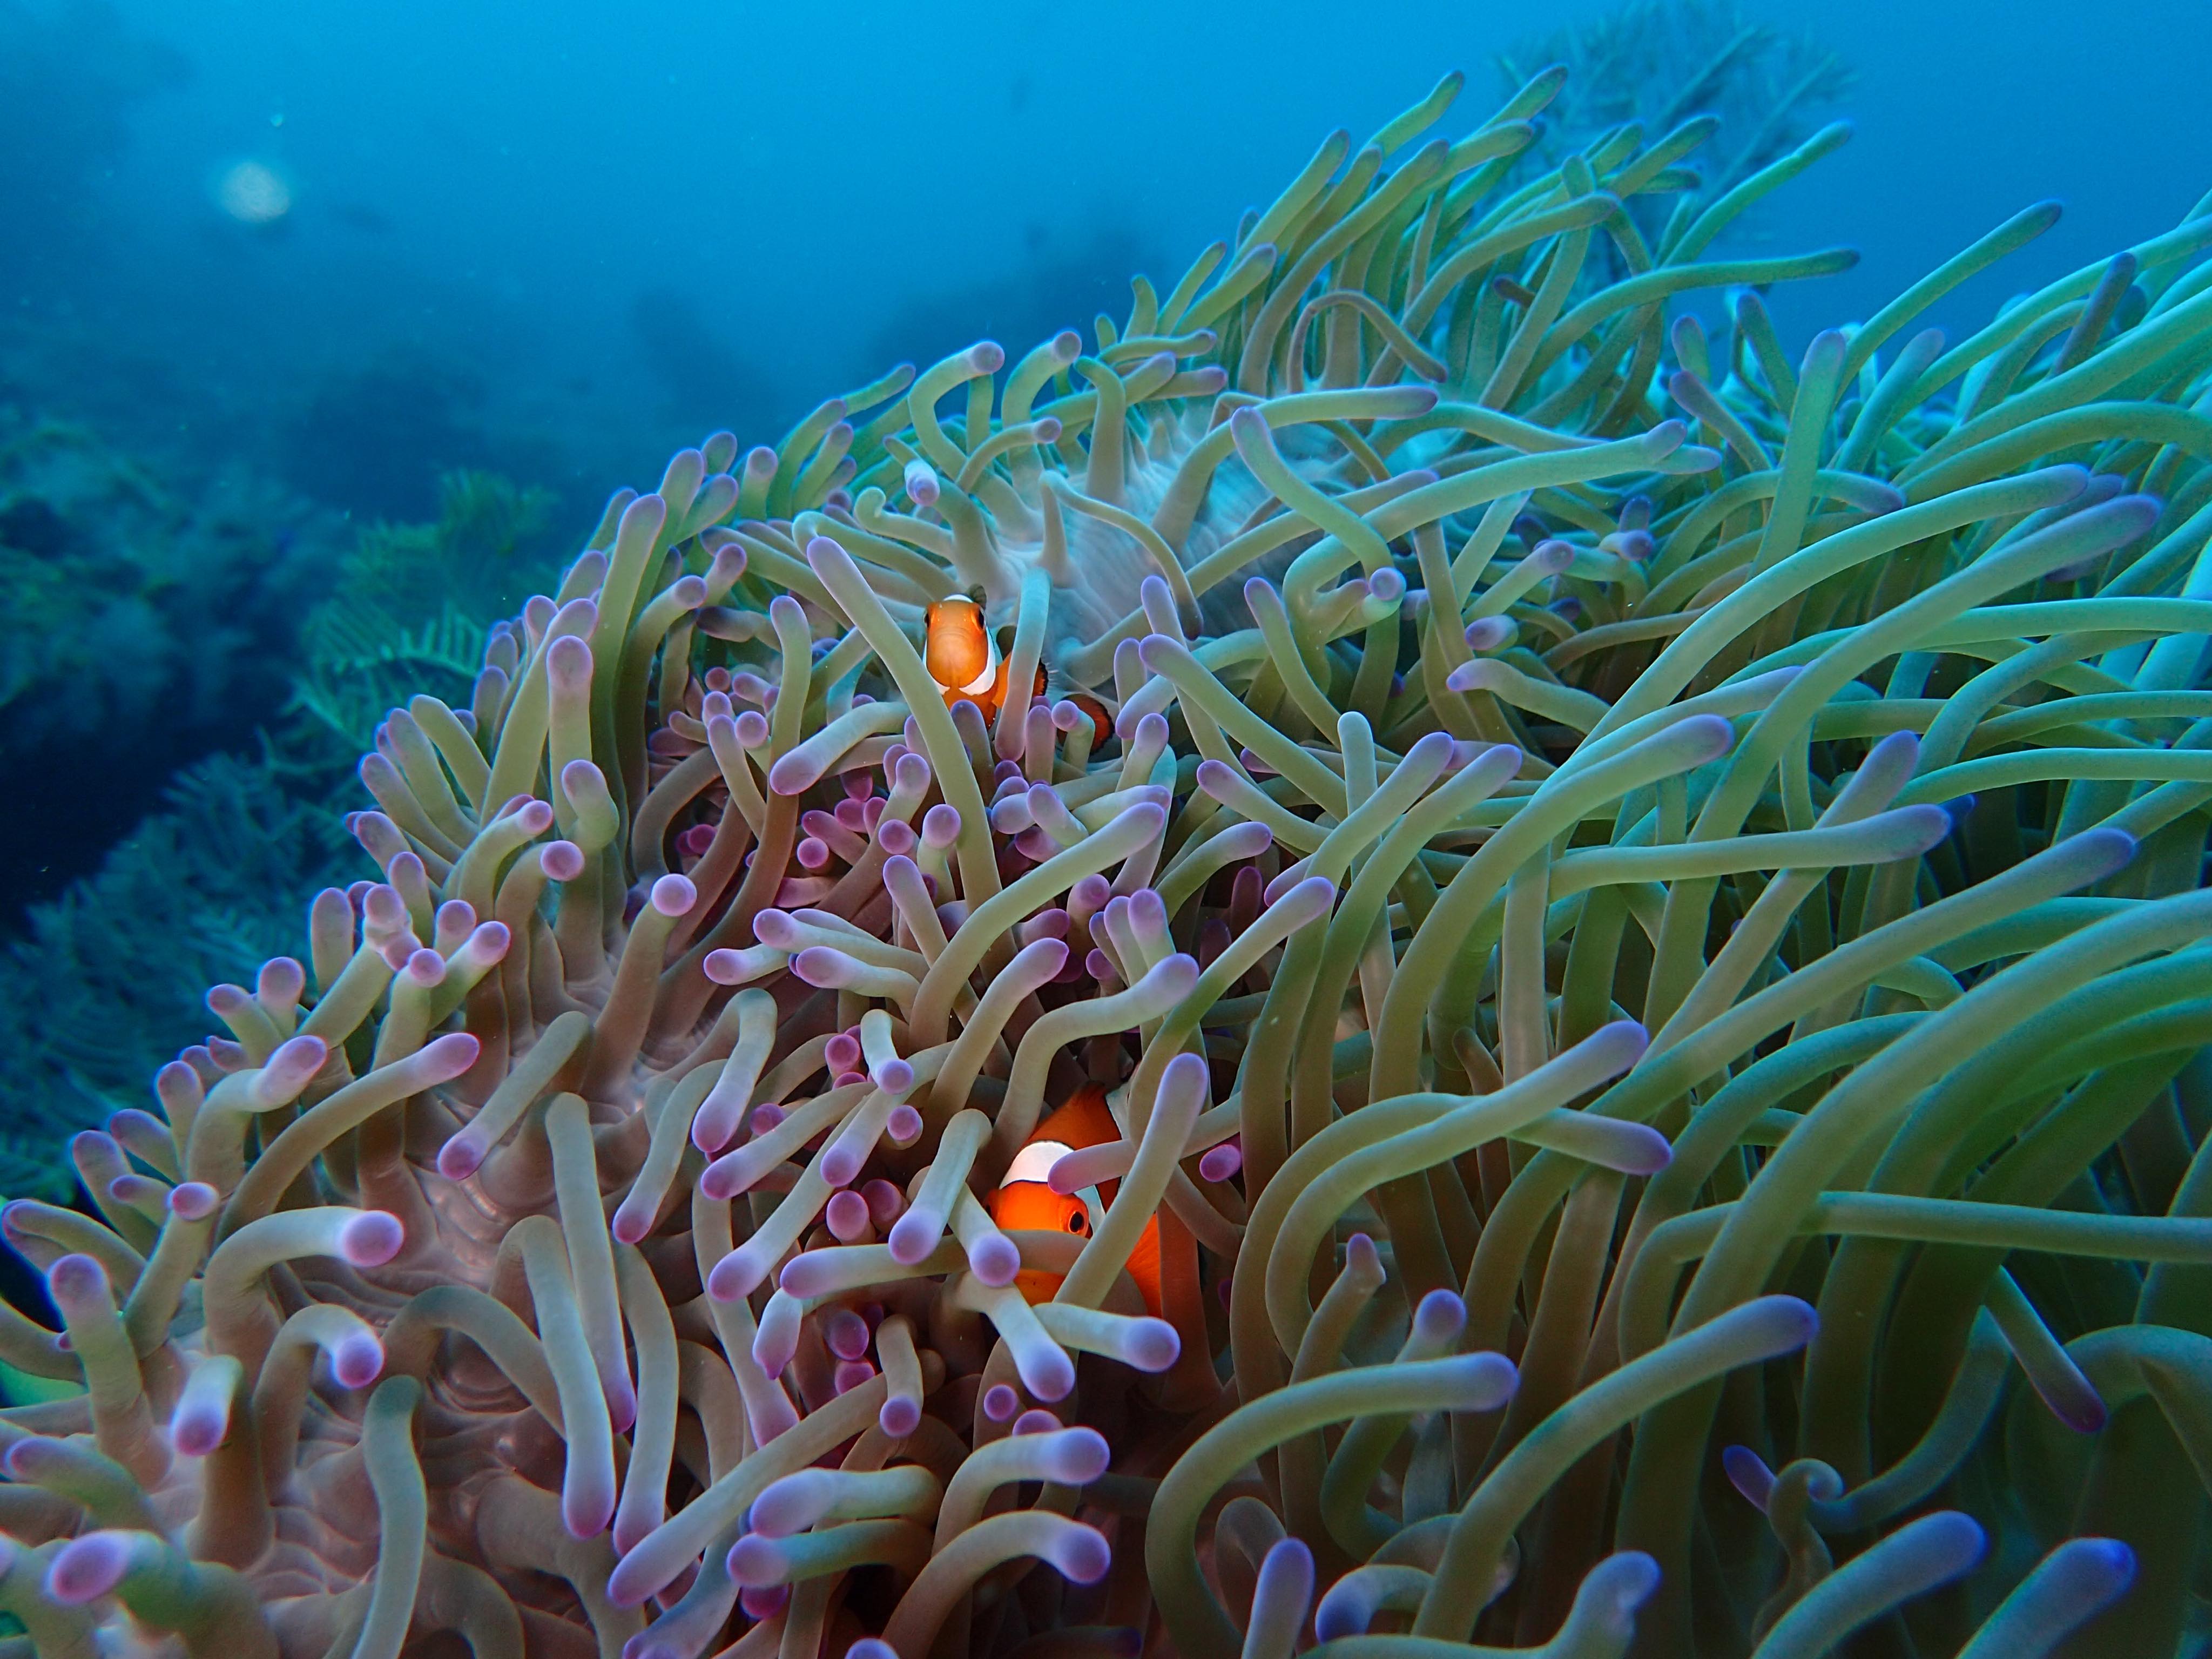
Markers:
<point>963,658</point>
<point>1026,1202</point>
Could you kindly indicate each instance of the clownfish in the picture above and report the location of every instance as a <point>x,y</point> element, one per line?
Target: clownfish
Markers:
<point>1026,1202</point>
<point>963,658</point>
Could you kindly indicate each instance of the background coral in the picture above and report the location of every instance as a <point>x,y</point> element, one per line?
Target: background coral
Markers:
<point>200,889</point>
<point>110,979</point>
<point>405,608</point>
<point>153,621</point>
<point>1657,63</point>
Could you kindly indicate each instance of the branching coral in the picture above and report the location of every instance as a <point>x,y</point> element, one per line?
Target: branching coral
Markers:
<point>1552,896</point>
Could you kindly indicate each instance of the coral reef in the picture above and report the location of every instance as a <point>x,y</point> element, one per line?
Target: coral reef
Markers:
<point>134,602</point>
<point>107,981</point>
<point>150,620</point>
<point>1658,62</point>
<point>380,435</point>
<point>1057,277</point>
<point>1634,904</point>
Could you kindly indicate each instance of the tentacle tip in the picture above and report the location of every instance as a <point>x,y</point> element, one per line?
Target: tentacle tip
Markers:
<point>1484,1381</point>
<point>587,1517</point>
<point>2118,845</point>
<point>1287,1571</point>
<point>357,1361</point>
<point>372,1238</point>
<point>1791,1321</point>
<point>913,1236</point>
<point>75,1277</point>
<point>734,1276</point>
<point>445,1058</point>
<point>674,895</point>
<point>1627,1579</point>
<point>2109,1562</point>
<point>1748,1473</point>
<point>1644,1151</point>
<point>766,1601</point>
<point>1338,1617</point>
<point>1441,1316</point>
<point>88,1568</point>
<point>1078,1456</point>
<point>460,1158</point>
<point>1154,1345</point>
<point>995,1260</point>
<point>196,1432</point>
<point>1959,1537</point>
<point>2087,1417</point>
<point>1081,1554</point>
<point>1049,1376</point>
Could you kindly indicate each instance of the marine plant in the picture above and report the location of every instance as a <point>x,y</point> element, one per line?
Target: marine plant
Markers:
<point>406,608</point>
<point>1634,902</point>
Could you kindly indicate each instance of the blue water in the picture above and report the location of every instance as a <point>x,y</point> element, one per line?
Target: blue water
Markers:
<point>509,189</point>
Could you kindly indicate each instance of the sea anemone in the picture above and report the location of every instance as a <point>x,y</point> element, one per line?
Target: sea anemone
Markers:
<point>1640,966</point>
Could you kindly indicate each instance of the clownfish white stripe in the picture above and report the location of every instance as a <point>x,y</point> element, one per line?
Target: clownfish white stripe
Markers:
<point>1034,1161</point>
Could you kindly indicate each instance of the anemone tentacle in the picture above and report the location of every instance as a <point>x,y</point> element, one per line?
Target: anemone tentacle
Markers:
<point>1623,921</point>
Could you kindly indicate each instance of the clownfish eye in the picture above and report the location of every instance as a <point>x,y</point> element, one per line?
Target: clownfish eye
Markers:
<point>1078,1222</point>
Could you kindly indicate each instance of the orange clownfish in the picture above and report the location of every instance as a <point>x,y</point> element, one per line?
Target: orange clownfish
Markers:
<point>963,658</point>
<point>1026,1202</point>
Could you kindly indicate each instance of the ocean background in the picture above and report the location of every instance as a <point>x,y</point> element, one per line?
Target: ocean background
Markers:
<point>324,330</point>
